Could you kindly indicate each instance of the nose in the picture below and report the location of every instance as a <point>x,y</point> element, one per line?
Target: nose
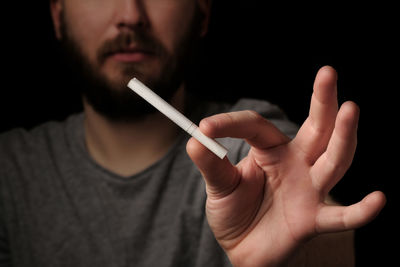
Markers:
<point>130,14</point>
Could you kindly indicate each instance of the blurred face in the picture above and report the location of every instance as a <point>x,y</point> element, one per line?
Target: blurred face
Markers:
<point>112,41</point>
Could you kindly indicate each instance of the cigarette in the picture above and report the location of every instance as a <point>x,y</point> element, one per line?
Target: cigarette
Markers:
<point>177,117</point>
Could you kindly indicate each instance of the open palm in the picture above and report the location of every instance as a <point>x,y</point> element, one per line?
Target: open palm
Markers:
<point>274,199</point>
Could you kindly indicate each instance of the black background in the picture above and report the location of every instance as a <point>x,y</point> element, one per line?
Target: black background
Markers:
<point>253,49</point>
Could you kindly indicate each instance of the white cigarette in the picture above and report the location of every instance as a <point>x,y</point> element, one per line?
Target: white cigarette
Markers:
<point>177,117</point>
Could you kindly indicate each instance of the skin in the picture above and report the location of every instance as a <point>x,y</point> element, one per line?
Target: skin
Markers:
<point>273,201</point>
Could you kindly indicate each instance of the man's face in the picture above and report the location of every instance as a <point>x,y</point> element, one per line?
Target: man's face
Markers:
<point>113,41</point>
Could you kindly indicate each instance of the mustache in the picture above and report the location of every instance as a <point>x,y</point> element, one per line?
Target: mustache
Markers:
<point>128,39</point>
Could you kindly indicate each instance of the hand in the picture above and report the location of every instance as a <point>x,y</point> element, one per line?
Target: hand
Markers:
<point>264,207</point>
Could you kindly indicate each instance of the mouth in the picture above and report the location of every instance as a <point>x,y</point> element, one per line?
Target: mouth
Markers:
<point>131,55</point>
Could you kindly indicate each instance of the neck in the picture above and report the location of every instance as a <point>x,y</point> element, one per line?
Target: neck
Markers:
<point>128,148</point>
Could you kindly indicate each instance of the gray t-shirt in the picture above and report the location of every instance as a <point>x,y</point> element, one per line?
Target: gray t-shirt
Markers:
<point>58,207</point>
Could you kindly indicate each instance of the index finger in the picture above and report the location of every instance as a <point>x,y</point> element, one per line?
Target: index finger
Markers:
<point>249,125</point>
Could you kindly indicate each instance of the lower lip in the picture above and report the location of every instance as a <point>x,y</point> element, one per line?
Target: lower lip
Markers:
<point>130,57</point>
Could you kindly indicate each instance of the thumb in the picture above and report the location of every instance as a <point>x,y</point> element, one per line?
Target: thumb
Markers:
<point>221,176</point>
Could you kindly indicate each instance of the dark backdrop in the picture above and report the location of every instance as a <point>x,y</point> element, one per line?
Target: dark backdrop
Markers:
<point>254,49</point>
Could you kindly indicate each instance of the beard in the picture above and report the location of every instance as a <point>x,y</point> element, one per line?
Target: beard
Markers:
<point>112,98</point>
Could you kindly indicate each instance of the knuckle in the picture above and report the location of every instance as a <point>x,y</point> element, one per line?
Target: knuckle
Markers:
<point>255,116</point>
<point>229,118</point>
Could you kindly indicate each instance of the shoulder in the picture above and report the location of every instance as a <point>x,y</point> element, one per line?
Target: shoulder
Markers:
<point>19,144</point>
<point>22,139</point>
<point>18,141</point>
<point>258,105</point>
